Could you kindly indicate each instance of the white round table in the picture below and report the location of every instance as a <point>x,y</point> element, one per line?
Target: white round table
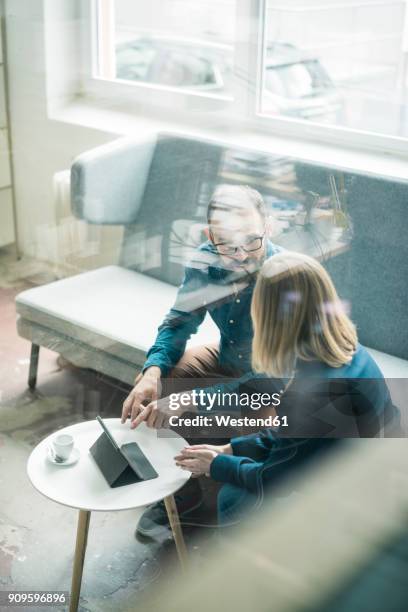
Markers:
<point>82,485</point>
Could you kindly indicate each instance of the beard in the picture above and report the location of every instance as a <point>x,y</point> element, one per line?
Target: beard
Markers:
<point>246,271</point>
<point>250,264</point>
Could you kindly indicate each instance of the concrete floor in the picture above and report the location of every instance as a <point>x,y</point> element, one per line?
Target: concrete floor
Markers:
<point>36,535</point>
<point>121,573</point>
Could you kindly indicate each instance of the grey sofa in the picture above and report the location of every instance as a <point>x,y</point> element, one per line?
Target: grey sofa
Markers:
<point>158,189</point>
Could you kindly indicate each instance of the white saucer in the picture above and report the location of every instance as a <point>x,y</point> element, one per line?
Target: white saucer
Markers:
<point>73,458</point>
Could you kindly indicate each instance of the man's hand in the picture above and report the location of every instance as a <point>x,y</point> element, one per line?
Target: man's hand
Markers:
<point>197,460</point>
<point>157,414</point>
<point>147,388</point>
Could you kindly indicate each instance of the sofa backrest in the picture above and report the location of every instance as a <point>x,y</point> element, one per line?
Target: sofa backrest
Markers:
<point>159,189</point>
<point>182,176</point>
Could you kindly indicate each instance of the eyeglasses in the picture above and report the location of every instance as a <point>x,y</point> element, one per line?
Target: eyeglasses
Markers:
<point>249,247</point>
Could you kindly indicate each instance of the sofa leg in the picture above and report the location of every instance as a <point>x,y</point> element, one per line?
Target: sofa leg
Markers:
<point>32,375</point>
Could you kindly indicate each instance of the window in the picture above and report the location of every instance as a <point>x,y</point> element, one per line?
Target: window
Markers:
<point>181,44</point>
<point>337,69</point>
<point>339,62</point>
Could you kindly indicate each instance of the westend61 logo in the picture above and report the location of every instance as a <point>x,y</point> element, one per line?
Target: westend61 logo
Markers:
<point>219,399</point>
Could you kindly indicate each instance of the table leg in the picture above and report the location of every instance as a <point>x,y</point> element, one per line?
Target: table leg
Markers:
<point>80,548</point>
<point>174,521</point>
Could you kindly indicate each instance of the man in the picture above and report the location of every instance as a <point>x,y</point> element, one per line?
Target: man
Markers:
<point>219,280</point>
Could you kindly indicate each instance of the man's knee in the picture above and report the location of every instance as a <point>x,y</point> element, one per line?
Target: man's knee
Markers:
<point>196,363</point>
<point>184,368</point>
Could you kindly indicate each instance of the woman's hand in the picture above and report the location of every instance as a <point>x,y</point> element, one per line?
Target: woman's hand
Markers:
<point>225,449</point>
<point>197,459</point>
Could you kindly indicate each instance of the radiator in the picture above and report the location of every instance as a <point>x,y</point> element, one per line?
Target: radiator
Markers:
<point>77,245</point>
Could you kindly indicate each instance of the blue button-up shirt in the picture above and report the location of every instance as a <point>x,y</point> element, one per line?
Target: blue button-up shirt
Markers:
<point>226,296</point>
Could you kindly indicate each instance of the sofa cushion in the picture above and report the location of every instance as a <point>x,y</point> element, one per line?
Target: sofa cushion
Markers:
<point>120,310</point>
<point>117,311</point>
<point>111,308</point>
<point>390,366</point>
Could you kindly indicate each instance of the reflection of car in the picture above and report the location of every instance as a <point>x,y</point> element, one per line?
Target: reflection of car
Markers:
<point>252,164</point>
<point>297,85</point>
<point>176,63</point>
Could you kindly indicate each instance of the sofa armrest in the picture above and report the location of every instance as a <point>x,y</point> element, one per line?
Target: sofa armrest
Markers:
<point>108,182</point>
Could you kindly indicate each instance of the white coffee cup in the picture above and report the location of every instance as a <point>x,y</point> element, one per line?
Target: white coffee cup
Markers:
<point>62,446</point>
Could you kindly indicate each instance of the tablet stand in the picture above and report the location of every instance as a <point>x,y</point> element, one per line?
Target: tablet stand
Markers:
<point>122,466</point>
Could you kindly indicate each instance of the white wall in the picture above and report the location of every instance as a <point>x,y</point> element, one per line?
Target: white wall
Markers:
<point>41,146</point>
<point>6,206</point>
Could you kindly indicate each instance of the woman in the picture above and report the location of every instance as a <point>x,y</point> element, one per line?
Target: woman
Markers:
<point>332,387</point>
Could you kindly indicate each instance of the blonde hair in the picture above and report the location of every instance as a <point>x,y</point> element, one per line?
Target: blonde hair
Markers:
<point>297,313</point>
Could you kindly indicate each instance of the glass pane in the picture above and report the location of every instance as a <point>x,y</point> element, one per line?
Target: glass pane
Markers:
<point>343,64</point>
<point>177,43</point>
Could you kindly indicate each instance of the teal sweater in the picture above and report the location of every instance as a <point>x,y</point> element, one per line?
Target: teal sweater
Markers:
<point>263,458</point>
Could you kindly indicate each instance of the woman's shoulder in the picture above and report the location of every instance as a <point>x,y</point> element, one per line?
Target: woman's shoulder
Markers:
<point>363,365</point>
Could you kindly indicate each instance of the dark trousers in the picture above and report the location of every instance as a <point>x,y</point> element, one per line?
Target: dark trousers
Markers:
<point>234,504</point>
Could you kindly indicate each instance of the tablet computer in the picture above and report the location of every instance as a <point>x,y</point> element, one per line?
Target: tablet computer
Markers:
<point>133,455</point>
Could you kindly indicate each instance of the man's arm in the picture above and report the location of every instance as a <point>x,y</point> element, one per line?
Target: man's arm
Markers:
<point>169,345</point>
<point>180,323</point>
<point>172,337</point>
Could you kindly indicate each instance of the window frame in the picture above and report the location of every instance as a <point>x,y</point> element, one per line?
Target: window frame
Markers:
<point>242,111</point>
